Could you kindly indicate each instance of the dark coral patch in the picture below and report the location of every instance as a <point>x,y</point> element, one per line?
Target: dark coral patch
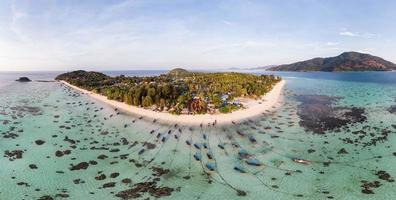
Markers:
<point>39,142</point>
<point>92,162</point>
<point>342,151</point>
<point>392,109</point>
<point>126,180</point>
<point>58,153</point>
<point>46,197</point>
<point>102,157</point>
<point>12,155</point>
<point>109,185</point>
<point>114,175</point>
<point>146,187</point>
<point>383,175</point>
<point>367,187</point>
<point>79,166</point>
<point>100,177</point>
<point>22,110</point>
<point>159,171</point>
<point>33,166</point>
<point>78,181</point>
<point>318,114</point>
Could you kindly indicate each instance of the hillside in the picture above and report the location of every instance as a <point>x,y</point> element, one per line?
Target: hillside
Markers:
<point>347,61</point>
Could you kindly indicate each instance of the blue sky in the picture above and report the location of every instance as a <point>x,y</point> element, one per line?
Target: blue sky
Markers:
<point>154,34</point>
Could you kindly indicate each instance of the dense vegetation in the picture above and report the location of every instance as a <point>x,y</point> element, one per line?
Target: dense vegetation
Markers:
<point>348,61</point>
<point>179,91</point>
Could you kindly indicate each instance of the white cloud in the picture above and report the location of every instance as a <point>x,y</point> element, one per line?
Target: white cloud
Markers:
<point>347,33</point>
<point>16,16</point>
<point>249,44</point>
<point>357,34</point>
<point>332,43</point>
<point>366,50</point>
<point>227,23</point>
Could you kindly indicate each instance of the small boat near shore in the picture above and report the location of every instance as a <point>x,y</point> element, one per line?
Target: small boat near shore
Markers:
<point>301,161</point>
<point>197,156</point>
<point>253,162</point>
<point>239,168</point>
<point>211,166</point>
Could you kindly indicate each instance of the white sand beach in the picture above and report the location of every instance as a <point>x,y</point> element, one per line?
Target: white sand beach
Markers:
<point>253,108</point>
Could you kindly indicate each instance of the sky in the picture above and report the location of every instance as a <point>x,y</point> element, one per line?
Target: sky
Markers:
<point>194,34</point>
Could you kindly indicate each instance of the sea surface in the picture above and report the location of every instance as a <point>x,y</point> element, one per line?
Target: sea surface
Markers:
<point>59,144</point>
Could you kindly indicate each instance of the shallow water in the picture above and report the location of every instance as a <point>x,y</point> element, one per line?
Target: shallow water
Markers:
<point>57,143</point>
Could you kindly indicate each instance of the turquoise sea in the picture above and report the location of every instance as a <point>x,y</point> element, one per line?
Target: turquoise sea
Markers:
<point>59,144</point>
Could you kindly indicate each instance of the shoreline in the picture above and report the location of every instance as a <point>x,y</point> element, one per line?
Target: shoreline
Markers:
<point>253,109</point>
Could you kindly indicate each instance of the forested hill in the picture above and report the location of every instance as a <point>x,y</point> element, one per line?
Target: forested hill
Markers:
<point>178,90</point>
<point>348,61</point>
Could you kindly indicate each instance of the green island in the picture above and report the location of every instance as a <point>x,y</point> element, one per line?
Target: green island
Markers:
<point>179,91</point>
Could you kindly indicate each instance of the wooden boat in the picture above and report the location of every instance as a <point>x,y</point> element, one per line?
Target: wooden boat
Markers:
<point>252,139</point>
<point>301,161</point>
<point>240,133</point>
<point>209,154</point>
<point>197,146</point>
<point>243,153</point>
<point>253,162</point>
<point>239,168</point>
<point>165,138</point>
<point>211,166</point>
<point>197,156</point>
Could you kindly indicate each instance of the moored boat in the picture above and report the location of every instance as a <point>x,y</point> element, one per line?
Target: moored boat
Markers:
<point>301,161</point>
<point>197,156</point>
<point>253,162</point>
<point>211,166</point>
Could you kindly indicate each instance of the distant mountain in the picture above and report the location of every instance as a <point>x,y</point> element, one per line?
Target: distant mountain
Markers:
<point>178,72</point>
<point>347,61</point>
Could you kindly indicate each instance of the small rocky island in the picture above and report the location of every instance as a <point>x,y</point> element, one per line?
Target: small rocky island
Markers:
<point>179,91</point>
<point>23,79</point>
